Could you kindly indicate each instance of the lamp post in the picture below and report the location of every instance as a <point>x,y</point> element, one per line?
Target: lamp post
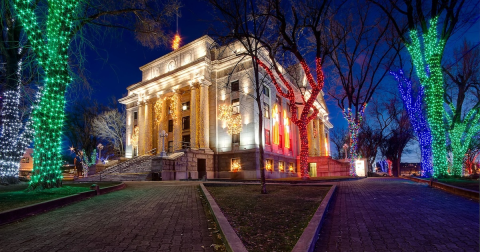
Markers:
<point>163,134</point>
<point>100,148</point>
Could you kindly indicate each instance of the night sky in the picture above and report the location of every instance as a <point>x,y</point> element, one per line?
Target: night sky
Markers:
<point>115,64</point>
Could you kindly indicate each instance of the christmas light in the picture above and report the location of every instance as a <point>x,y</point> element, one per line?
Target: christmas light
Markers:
<point>236,165</point>
<point>417,115</point>
<point>353,128</point>
<point>50,43</point>
<point>427,53</point>
<point>232,121</point>
<point>176,42</point>
<point>158,111</point>
<point>307,114</point>
<point>460,134</point>
<point>134,137</point>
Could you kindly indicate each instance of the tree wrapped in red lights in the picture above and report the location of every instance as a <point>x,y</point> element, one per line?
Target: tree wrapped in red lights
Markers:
<point>309,111</point>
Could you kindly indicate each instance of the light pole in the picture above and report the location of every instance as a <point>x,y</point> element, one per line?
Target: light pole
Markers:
<point>163,134</point>
<point>100,148</point>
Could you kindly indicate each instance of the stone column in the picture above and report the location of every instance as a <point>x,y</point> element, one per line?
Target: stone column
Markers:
<point>177,123</point>
<point>193,116</point>
<point>311,151</point>
<point>203,132</point>
<point>128,145</point>
<point>147,127</point>
<point>321,133</point>
<point>141,127</point>
<point>316,141</point>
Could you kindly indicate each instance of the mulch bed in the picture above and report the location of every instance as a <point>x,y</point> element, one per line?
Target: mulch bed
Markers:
<point>268,222</point>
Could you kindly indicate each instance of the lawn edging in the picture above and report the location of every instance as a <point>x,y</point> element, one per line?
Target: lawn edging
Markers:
<point>231,239</point>
<point>310,235</point>
<point>448,188</point>
<point>27,211</point>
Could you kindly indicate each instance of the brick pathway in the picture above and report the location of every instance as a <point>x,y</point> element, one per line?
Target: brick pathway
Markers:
<point>146,216</point>
<point>387,214</point>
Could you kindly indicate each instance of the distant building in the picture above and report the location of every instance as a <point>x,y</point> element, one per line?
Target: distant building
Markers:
<point>183,93</point>
<point>26,163</point>
<point>410,168</point>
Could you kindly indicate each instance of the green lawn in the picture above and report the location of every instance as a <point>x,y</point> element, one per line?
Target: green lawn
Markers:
<point>311,178</point>
<point>467,183</point>
<point>15,196</point>
<point>271,222</point>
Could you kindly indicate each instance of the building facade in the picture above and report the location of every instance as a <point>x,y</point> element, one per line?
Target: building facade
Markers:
<point>202,96</point>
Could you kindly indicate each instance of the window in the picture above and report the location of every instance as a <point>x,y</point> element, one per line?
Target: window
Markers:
<point>266,110</point>
<point>235,106</point>
<point>25,160</point>
<point>170,125</point>
<point>266,91</point>
<point>186,122</point>
<point>235,166</point>
<point>185,106</point>
<point>278,100</point>
<point>281,166</point>
<point>289,145</point>
<point>235,86</point>
<point>291,168</point>
<point>269,165</point>
<point>170,146</point>
<point>236,138</point>
<point>267,137</point>
<point>135,115</point>
<point>185,141</point>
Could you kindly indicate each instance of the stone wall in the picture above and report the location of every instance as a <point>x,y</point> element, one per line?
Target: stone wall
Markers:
<point>183,166</point>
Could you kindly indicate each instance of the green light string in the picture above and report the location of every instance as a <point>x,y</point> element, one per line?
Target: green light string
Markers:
<point>51,49</point>
<point>427,61</point>
<point>461,135</point>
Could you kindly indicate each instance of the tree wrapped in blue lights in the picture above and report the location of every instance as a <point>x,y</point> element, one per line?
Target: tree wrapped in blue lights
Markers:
<point>418,119</point>
<point>50,42</point>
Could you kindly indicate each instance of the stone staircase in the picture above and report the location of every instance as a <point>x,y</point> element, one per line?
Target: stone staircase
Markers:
<point>135,169</point>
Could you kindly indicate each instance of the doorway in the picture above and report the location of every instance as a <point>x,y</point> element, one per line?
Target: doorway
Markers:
<point>313,169</point>
<point>202,168</point>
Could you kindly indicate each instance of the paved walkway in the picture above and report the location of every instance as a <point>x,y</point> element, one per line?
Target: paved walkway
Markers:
<point>146,216</point>
<point>387,214</point>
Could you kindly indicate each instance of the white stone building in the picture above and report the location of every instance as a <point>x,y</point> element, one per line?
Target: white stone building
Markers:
<point>182,93</point>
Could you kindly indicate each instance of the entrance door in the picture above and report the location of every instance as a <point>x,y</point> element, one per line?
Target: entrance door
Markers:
<point>202,168</point>
<point>313,169</point>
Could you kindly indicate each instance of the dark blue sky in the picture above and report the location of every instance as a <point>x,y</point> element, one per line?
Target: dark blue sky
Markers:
<point>116,63</point>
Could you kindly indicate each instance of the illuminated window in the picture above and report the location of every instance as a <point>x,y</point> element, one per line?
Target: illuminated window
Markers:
<point>235,106</point>
<point>185,106</point>
<point>281,166</point>
<point>25,160</point>
<point>266,109</point>
<point>269,165</point>
<point>276,124</point>
<point>291,168</point>
<point>235,86</point>
<point>286,130</point>
<point>235,165</point>
<point>267,137</point>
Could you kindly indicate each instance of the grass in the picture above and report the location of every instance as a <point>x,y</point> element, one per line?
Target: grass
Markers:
<point>15,196</point>
<point>467,183</point>
<point>268,222</point>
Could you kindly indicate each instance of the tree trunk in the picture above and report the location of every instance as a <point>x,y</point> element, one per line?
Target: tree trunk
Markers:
<point>353,147</point>
<point>303,151</point>
<point>258,99</point>
<point>48,122</point>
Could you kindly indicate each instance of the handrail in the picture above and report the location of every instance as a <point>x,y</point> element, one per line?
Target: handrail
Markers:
<point>132,160</point>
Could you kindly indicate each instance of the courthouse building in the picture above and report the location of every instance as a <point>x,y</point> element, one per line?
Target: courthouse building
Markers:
<point>202,96</point>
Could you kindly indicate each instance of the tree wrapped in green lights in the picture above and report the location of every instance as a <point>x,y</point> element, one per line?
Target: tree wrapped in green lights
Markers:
<point>50,42</point>
<point>427,63</point>
<point>460,136</point>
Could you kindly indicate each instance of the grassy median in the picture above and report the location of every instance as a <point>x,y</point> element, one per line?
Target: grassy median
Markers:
<point>15,196</point>
<point>268,222</point>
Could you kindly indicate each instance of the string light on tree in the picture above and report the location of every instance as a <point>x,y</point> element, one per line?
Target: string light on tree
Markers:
<point>50,42</point>
<point>353,128</point>
<point>418,119</point>
<point>233,122</point>
<point>426,53</point>
<point>309,112</point>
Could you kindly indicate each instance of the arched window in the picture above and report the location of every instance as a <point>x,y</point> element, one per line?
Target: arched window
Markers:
<point>276,124</point>
<point>286,130</point>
